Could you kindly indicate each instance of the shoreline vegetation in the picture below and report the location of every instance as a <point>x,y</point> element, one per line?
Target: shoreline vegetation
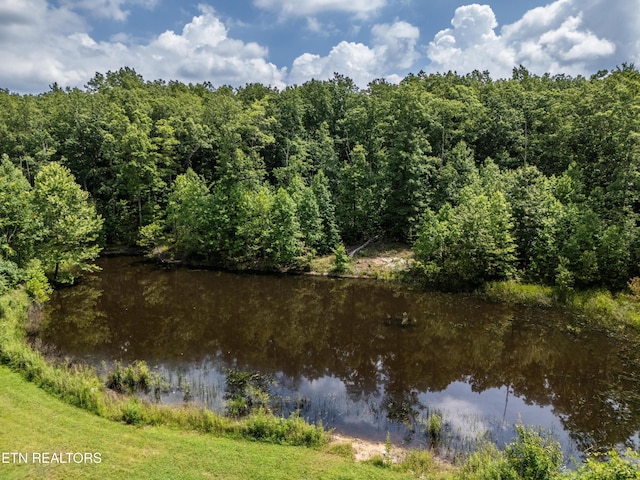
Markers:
<point>392,261</point>
<point>81,387</point>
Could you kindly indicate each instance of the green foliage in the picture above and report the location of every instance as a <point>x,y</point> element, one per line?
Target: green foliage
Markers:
<point>487,463</point>
<point>356,208</point>
<point>68,226</point>
<point>285,239</point>
<point>16,214</point>
<point>188,216</point>
<point>330,235</point>
<point>10,275</point>
<point>342,261</point>
<point>133,413</point>
<point>133,378</point>
<point>612,466</point>
<point>533,456</point>
<point>564,280</point>
<point>537,217</point>
<point>290,431</point>
<point>419,463</point>
<point>434,426</point>
<point>467,244</point>
<point>246,392</point>
<point>36,283</point>
<point>180,166</point>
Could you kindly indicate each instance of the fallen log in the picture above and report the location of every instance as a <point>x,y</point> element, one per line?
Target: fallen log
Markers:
<point>363,246</point>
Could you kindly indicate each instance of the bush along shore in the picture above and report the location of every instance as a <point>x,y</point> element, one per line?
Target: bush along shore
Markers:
<point>532,455</point>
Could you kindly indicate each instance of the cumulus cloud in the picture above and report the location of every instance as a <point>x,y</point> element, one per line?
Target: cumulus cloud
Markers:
<point>44,44</point>
<point>395,44</point>
<point>393,47</point>
<point>287,8</point>
<point>566,36</point>
<point>110,9</point>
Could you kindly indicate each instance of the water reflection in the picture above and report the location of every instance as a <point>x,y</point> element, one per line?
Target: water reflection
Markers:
<point>340,354</point>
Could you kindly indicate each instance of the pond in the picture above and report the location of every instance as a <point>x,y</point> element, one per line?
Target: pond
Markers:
<point>367,358</point>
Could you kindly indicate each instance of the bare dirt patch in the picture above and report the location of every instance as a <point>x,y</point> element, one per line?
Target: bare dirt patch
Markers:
<point>365,450</point>
<point>381,259</point>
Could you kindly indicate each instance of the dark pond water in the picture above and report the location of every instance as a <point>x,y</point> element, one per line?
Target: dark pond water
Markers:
<point>338,351</point>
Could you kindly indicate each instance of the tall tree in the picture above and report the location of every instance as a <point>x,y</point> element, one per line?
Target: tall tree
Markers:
<point>470,243</point>
<point>16,214</point>
<point>67,223</point>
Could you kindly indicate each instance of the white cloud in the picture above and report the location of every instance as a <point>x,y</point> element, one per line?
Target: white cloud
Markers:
<point>394,47</point>
<point>395,44</point>
<point>289,8</point>
<point>49,45</point>
<point>111,9</point>
<point>471,44</point>
<point>566,36</point>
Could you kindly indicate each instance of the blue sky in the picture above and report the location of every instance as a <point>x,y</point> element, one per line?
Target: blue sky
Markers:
<point>285,42</point>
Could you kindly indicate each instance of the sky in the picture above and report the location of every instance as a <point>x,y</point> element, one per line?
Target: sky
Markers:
<point>288,42</point>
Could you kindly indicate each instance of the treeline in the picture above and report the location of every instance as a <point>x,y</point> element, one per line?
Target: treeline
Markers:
<point>535,177</point>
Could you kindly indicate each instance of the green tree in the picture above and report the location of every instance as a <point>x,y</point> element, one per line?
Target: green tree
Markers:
<point>67,223</point>
<point>189,215</point>
<point>537,218</point>
<point>330,232</point>
<point>16,214</point>
<point>285,240</point>
<point>409,165</point>
<point>468,244</point>
<point>308,214</point>
<point>356,211</point>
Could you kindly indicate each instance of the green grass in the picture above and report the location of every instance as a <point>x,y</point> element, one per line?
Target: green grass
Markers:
<point>598,306</point>
<point>33,421</point>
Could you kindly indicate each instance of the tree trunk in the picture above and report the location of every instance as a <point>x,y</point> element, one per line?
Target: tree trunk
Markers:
<point>351,255</point>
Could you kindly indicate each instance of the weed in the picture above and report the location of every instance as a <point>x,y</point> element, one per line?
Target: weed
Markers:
<point>419,463</point>
<point>387,449</point>
<point>246,391</point>
<point>134,378</point>
<point>433,427</point>
<point>342,449</point>
<point>378,461</point>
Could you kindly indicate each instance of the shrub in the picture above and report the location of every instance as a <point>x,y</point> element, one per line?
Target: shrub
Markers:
<point>290,431</point>
<point>134,378</point>
<point>612,466</point>
<point>342,260</point>
<point>533,456</point>
<point>132,412</point>
<point>419,462</point>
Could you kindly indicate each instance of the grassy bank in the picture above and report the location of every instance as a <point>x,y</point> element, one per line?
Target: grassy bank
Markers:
<point>115,451</point>
<point>597,306</point>
<point>150,452</point>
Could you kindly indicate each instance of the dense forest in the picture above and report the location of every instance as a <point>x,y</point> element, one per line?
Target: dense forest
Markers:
<point>535,178</point>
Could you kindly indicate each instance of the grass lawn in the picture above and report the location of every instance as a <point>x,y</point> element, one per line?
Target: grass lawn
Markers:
<point>31,421</point>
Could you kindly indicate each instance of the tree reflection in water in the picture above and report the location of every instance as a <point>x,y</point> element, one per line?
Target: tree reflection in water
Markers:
<point>307,332</point>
